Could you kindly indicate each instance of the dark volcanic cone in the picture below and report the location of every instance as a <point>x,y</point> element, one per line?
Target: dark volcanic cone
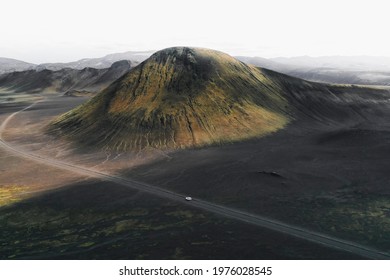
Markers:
<point>179,97</point>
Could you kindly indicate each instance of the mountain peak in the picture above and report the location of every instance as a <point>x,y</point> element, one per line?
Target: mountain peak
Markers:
<point>190,55</point>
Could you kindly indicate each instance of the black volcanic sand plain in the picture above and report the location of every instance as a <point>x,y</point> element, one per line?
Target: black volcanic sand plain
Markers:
<point>48,213</point>
<point>335,182</point>
<point>327,178</point>
<point>326,169</point>
<point>326,175</point>
<point>101,220</point>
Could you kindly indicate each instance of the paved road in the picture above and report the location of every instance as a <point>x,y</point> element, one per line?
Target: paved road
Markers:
<point>301,233</point>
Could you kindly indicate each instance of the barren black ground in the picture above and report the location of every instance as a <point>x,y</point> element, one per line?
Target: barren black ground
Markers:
<point>326,170</point>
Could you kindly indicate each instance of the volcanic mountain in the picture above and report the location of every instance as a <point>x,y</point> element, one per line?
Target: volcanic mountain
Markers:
<point>187,97</point>
<point>179,97</point>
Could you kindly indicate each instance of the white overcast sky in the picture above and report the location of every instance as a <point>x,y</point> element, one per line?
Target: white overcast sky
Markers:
<point>58,31</point>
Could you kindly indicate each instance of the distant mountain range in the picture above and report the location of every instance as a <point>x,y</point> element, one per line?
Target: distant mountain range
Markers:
<point>99,63</point>
<point>67,80</point>
<point>8,65</point>
<point>347,63</point>
<point>363,70</point>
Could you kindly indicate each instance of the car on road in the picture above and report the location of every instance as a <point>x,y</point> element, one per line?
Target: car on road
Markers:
<point>188,198</point>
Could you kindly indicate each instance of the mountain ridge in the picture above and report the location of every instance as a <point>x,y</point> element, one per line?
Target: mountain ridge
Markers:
<point>66,80</point>
<point>363,70</point>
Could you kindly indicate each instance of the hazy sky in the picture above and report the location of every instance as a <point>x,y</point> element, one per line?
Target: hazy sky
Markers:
<point>58,30</point>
